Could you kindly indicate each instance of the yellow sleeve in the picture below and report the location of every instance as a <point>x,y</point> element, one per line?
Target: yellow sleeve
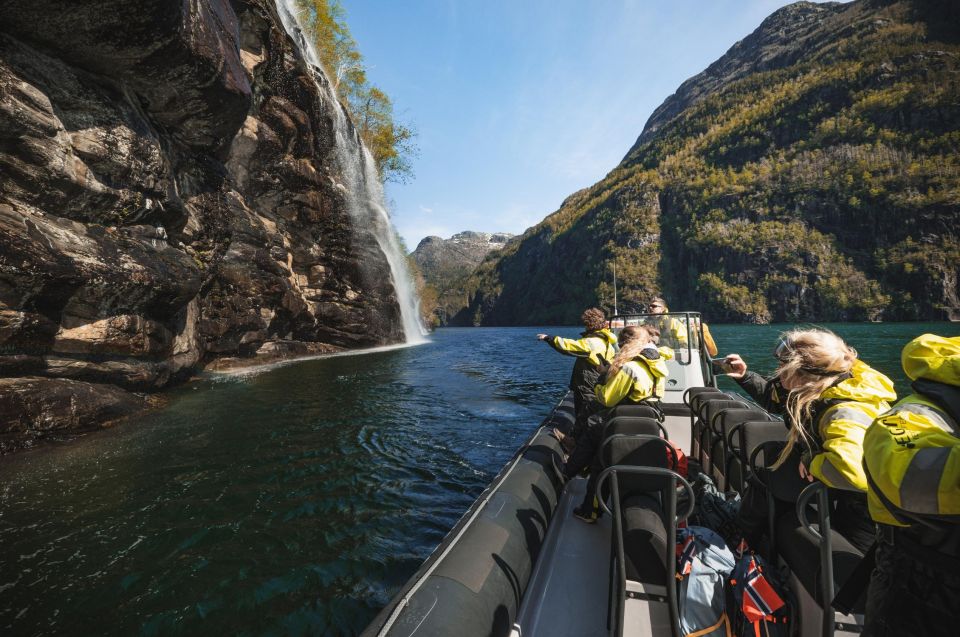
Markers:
<point>708,343</point>
<point>615,389</point>
<point>679,330</point>
<point>572,347</point>
<point>840,464</point>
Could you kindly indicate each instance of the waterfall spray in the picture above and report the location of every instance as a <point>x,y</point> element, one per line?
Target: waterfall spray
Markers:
<point>365,198</point>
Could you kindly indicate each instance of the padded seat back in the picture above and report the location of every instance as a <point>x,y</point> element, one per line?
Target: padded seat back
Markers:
<point>631,425</point>
<point>723,422</point>
<point>745,437</point>
<point>705,436</point>
<point>692,392</point>
<point>699,400</point>
<point>638,452</point>
<point>801,551</point>
<point>636,411</point>
<point>696,401</point>
<point>644,539</point>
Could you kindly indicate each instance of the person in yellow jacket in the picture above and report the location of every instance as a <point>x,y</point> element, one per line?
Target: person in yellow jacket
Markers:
<point>596,346</point>
<point>828,397</point>
<point>636,375</point>
<point>912,462</point>
<point>673,331</point>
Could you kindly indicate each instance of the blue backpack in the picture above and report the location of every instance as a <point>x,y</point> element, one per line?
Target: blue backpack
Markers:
<point>704,565</point>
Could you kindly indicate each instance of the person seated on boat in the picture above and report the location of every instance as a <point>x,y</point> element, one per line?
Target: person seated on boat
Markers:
<point>912,461</point>
<point>827,397</point>
<point>673,331</point>
<point>596,345</point>
<point>636,376</point>
<point>708,343</point>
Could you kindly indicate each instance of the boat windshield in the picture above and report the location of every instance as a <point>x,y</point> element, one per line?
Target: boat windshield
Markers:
<point>680,331</point>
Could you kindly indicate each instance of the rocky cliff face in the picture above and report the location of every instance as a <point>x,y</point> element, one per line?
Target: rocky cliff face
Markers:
<point>169,198</point>
<point>447,263</point>
<point>810,174</point>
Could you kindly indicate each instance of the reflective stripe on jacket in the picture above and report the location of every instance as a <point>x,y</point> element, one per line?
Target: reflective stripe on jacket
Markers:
<point>912,453</point>
<point>636,381</point>
<point>854,403</point>
<point>594,346</point>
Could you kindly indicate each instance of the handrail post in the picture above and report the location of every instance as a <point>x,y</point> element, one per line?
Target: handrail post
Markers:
<point>826,561</point>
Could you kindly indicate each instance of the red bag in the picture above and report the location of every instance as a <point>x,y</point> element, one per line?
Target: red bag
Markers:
<point>681,465</point>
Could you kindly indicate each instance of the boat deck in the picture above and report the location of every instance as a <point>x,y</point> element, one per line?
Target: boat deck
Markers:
<point>569,587</point>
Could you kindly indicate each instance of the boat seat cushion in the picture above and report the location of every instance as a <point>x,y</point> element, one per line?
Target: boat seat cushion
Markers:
<point>751,435</point>
<point>635,411</point>
<point>644,539</point>
<point>801,551</point>
<point>726,420</point>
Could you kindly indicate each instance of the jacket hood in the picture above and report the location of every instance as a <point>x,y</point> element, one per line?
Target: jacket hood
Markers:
<point>934,358</point>
<point>607,335</point>
<point>656,358</point>
<point>865,385</point>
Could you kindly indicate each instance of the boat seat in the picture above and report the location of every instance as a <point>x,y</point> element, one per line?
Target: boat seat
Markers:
<point>708,410</point>
<point>695,391</point>
<point>720,451</point>
<point>631,425</point>
<point>742,439</point>
<point>696,402</point>
<point>801,551</point>
<point>644,539</point>
<point>643,502</point>
<point>637,411</point>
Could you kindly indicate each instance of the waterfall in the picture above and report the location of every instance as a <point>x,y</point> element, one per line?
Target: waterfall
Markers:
<point>365,199</point>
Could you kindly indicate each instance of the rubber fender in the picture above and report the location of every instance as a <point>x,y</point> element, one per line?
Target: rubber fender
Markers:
<point>476,588</point>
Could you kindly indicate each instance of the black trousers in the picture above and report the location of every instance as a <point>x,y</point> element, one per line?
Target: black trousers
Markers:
<point>912,592</point>
<point>585,404</point>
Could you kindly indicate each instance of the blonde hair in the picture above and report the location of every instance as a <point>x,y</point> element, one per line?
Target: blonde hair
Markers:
<point>811,360</point>
<point>632,340</point>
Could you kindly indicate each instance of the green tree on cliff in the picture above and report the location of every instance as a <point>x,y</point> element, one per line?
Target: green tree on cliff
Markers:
<point>390,141</point>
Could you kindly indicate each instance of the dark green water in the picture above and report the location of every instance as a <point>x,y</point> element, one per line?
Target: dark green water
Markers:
<point>295,500</point>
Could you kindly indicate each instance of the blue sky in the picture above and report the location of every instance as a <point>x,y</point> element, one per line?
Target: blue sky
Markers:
<point>520,103</point>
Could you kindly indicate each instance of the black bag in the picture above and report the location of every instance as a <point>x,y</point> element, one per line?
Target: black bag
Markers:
<point>758,602</point>
<point>715,510</point>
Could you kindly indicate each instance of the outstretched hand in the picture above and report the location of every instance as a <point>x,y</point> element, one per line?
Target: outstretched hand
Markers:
<point>541,337</point>
<point>736,365</point>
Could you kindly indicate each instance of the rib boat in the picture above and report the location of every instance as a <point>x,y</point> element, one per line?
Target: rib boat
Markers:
<point>519,564</point>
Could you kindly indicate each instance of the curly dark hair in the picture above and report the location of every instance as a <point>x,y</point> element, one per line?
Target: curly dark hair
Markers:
<point>593,319</point>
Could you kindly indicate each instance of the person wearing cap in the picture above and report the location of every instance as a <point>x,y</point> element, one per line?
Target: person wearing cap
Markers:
<point>912,462</point>
<point>828,397</point>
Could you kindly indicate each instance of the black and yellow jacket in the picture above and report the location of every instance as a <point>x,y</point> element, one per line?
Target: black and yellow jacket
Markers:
<point>912,452</point>
<point>640,379</point>
<point>590,349</point>
<point>840,420</point>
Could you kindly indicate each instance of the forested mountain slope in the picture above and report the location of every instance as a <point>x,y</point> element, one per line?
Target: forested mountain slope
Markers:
<point>811,173</point>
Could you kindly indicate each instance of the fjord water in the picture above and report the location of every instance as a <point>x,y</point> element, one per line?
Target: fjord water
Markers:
<point>296,499</point>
